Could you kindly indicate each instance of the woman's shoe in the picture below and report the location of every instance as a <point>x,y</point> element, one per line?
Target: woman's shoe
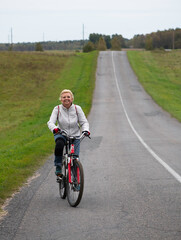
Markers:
<point>58,171</point>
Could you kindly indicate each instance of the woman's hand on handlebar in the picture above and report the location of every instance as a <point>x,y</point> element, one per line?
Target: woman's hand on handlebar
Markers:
<point>57,131</point>
<point>86,133</point>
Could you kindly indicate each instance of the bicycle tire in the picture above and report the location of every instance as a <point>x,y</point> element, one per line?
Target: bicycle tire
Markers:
<point>62,183</point>
<point>74,195</point>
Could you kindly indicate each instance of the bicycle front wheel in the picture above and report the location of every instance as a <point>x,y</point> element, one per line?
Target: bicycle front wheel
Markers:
<point>75,189</point>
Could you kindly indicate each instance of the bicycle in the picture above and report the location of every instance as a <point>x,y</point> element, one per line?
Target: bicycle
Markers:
<point>71,182</point>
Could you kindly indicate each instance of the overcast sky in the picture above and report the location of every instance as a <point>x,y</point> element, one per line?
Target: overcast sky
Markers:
<point>59,20</point>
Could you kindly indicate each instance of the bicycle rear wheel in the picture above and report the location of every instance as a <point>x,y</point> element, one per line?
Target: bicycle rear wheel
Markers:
<point>75,189</point>
<point>62,183</point>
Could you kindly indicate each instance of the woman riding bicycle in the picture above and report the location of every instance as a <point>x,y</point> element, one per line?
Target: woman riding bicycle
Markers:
<point>70,118</point>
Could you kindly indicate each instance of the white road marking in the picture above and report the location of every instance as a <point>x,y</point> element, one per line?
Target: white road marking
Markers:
<point>165,165</point>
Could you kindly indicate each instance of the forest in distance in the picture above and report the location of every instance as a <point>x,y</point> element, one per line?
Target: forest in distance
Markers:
<point>167,39</point>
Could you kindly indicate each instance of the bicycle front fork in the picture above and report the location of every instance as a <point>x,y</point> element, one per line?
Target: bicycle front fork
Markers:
<point>73,170</point>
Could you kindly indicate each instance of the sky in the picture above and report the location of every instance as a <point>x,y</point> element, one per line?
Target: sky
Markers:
<point>60,20</point>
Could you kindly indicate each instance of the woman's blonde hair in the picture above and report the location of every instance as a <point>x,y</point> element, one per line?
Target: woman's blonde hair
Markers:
<point>66,91</point>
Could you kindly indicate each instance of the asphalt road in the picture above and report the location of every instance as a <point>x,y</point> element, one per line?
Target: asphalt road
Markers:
<point>132,169</point>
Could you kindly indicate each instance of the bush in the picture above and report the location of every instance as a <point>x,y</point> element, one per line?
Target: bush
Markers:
<point>38,47</point>
<point>116,44</point>
<point>101,44</point>
<point>88,47</point>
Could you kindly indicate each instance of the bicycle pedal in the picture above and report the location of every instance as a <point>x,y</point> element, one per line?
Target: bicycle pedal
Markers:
<point>59,178</point>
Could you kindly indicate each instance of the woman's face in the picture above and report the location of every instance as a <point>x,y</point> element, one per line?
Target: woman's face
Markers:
<point>66,99</point>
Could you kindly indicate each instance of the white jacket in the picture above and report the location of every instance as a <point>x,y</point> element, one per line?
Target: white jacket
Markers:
<point>69,120</point>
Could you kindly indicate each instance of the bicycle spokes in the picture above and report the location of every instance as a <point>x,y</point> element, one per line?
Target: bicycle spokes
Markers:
<point>78,175</point>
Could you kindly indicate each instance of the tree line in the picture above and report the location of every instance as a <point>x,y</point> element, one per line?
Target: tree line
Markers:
<point>167,39</point>
<point>103,42</point>
<point>49,45</point>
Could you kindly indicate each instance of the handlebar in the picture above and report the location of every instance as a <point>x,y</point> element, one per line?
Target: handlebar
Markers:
<point>81,137</point>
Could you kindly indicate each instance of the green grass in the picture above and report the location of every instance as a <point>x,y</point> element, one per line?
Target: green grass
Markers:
<point>160,74</point>
<point>30,84</point>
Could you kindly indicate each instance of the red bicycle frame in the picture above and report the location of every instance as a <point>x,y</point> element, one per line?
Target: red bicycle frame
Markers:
<point>70,159</point>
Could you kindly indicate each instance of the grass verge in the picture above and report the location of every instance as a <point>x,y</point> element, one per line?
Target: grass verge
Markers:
<point>159,72</point>
<point>30,87</point>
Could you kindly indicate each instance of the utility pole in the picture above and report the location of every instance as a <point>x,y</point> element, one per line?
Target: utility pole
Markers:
<point>11,43</point>
<point>83,34</point>
<point>173,40</point>
<point>11,36</point>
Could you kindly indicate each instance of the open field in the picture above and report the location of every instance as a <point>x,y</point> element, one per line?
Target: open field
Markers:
<point>160,74</point>
<point>30,84</point>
